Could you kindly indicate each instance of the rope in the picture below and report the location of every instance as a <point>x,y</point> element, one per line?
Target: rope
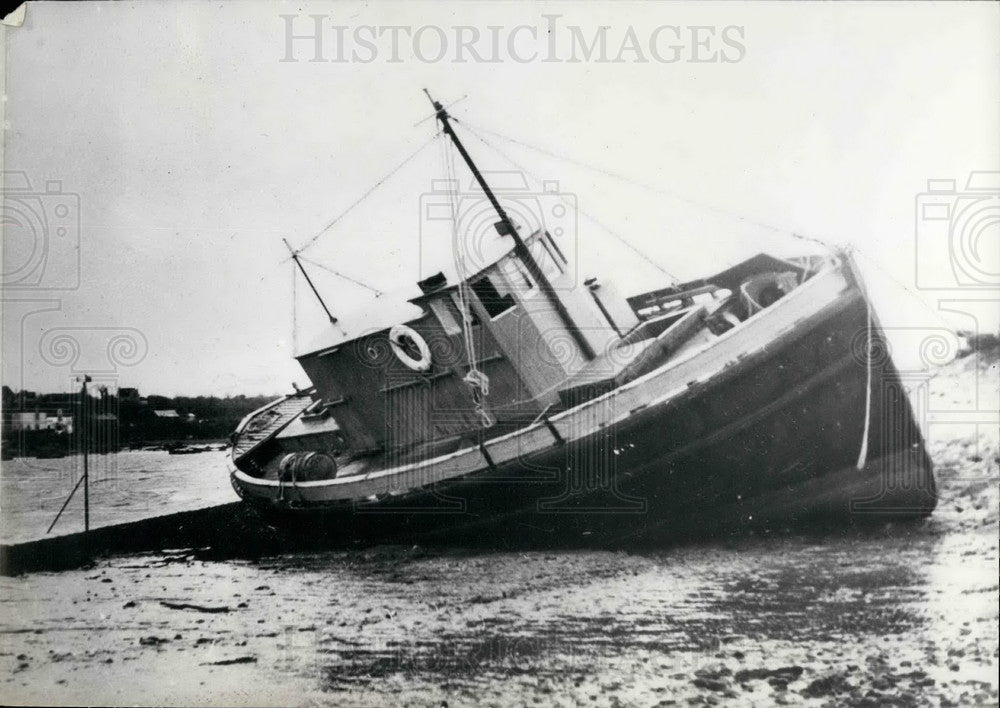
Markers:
<point>825,244</point>
<point>920,300</point>
<point>326,228</point>
<point>477,381</point>
<point>644,256</point>
<point>295,486</point>
<point>364,196</point>
<point>658,190</point>
<point>341,275</point>
<point>295,309</point>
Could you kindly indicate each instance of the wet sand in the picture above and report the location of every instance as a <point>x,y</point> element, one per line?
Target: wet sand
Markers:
<point>901,614</point>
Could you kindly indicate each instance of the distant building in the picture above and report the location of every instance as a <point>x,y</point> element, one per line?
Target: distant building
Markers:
<point>166,413</point>
<point>41,420</point>
<point>27,420</point>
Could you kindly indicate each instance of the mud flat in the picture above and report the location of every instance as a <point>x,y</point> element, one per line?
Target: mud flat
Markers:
<point>901,614</point>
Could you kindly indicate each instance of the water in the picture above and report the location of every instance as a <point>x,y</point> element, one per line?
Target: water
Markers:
<point>123,487</point>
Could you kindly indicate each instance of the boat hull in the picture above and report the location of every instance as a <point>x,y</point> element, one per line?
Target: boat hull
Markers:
<point>774,436</point>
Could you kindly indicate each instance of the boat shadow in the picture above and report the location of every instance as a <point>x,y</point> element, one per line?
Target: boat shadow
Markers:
<point>240,532</point>
<point>253,535</point>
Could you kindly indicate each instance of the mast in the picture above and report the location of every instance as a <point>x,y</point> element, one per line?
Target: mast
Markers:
<point>519,246</point>
<point>295,257</point>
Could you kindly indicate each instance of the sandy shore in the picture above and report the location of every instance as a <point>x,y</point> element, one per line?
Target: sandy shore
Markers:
<point>897,615</point>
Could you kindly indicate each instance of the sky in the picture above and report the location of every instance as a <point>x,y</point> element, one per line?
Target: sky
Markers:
<point>157,154</point>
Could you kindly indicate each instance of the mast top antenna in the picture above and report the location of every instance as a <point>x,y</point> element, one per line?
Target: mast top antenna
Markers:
<point>437,105</point>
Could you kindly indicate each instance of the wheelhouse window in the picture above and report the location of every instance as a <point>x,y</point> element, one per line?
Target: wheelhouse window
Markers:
<point>492,301</point>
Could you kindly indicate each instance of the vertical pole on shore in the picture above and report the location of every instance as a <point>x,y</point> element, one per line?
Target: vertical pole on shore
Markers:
<point>84,426</point>
<point>83,431</point>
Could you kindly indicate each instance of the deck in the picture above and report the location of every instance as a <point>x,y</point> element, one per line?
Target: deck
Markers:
<point>643,350</point>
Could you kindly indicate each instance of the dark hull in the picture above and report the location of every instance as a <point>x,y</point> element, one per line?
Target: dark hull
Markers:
<point>773,440</point>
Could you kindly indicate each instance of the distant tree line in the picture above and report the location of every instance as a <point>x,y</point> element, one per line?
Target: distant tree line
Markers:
<point>108,420</point>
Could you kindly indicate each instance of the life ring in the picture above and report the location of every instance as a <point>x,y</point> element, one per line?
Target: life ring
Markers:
<point>397,340</point>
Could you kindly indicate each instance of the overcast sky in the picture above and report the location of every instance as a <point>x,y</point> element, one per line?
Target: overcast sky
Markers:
<point>192,149</point>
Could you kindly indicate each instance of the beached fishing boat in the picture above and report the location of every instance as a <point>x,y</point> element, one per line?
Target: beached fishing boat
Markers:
<point>506,396</point>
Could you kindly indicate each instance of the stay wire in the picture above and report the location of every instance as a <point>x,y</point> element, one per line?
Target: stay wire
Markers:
<point>901,285</point>
<point>673,195</point>
<point>295,310</point>
<point>644,256</point>
<point>341,275</point>
<point>364,196</point>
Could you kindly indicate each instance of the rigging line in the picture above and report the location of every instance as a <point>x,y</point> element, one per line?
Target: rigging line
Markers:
<point>577,208</point>
<point>590,217</point>
<point>295,311</point>
<point>910,292</point>
<point>478,381</point>
<point>341,275</point>
<point>364,196</point>
<point>825,244</point>
<point>659,190</point>
<point>457,253</point>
